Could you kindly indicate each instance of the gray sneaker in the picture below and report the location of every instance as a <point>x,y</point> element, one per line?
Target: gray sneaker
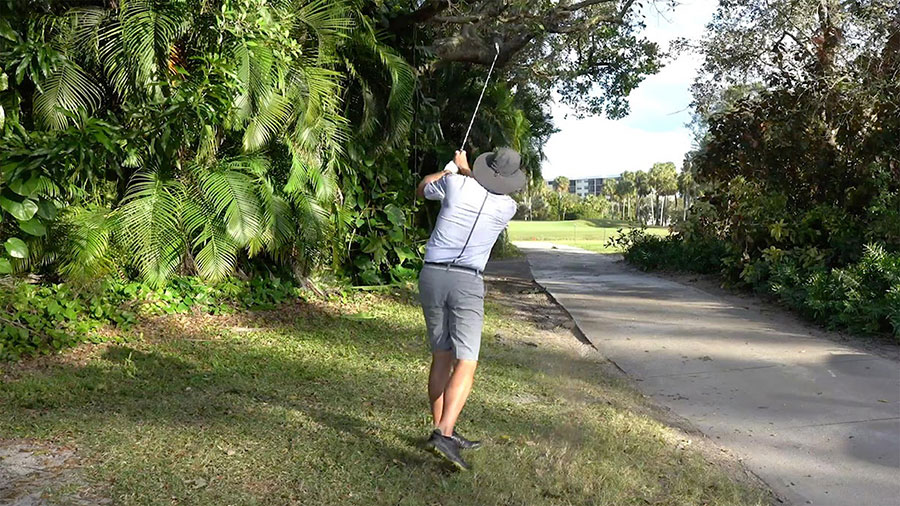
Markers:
<point>448,448</point>
<point>465,444</point>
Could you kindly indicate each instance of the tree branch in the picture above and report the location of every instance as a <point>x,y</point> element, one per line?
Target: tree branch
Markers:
<point>428,10</point>
<point>457,20</point>
<point>588,3</point>
<point>473,43</point>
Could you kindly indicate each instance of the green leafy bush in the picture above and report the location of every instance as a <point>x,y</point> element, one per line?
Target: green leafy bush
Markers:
<point>652,252</point>
<point>863,296</point>
<point>40,319</point>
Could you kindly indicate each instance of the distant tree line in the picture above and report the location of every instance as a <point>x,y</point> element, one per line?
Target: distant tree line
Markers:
<point>659,196</point>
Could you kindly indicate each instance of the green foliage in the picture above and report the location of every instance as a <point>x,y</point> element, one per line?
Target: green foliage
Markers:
<point>384,243</point>
<point>862,296</point>
<point>175,139</point>
<point>40,319</point>
<point>798,164</point>
<point>43,319</point>
<point>591,207</point>
<point>504,248</point>
<point>152,139</point>
<point>672,252</point>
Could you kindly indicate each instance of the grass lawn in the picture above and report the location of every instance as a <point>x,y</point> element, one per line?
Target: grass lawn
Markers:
<point>324,403</point>
<point>588,234</point>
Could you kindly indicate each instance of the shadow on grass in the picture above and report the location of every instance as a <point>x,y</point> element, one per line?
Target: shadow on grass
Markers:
<point>607,223</point>
<point>338,406</point>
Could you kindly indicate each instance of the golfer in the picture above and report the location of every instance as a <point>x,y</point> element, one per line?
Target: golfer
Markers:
<point>475,208</point>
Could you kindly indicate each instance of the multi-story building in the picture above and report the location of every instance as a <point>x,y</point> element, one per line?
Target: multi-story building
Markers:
<point>588,186</point>
<point>585,186</point>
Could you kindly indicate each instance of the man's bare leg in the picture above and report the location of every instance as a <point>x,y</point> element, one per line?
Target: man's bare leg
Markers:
<point>456,393</point>
<point>441,366</point>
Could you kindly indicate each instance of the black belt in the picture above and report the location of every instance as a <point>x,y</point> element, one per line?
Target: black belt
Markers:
<point>456,266</point>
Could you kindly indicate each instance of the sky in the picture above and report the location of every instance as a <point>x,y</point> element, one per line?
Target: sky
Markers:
<point>655,130</point>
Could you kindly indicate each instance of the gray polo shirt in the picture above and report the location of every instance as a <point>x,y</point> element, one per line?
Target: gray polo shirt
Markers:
<point>461,197</point>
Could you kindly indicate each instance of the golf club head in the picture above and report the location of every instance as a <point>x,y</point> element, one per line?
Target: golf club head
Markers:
<point>497,47</point>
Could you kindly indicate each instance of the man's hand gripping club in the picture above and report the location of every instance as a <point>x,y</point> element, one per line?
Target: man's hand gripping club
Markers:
<point>460,164</point>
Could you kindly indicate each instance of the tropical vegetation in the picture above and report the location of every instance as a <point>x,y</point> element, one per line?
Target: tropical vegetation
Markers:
<point>657,197</point>
<point>798,120</point>
<point>148,140</point>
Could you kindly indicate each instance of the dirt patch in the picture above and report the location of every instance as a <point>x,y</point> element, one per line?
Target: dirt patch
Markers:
<point>510,283</point>
<point>33,474</point>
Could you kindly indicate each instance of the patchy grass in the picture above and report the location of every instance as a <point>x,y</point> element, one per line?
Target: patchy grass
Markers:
<point>587,234</point>
<point>325,404</point>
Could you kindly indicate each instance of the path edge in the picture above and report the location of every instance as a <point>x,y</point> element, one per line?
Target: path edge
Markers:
<point>667,415</point>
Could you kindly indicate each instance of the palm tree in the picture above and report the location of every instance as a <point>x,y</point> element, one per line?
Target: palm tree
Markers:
<point>664,178</point>
<point>643,188</point>
<point>624,190</point>
<point>686,187</point>
<point>234,124</point>
<point>609,189</point>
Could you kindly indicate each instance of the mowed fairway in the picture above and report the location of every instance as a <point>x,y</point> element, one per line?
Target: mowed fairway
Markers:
<point>591,235</point>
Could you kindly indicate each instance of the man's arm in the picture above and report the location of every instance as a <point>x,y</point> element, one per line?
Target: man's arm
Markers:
<point>430,178</point>
<point>462,163</point>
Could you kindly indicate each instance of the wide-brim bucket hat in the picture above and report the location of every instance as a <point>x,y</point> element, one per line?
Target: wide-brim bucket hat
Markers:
<point>499,171</point>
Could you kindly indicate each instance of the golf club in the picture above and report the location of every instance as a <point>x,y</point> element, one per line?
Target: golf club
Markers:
<point>451,166</point>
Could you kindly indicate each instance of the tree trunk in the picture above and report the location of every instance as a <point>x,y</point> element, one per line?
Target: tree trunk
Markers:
<point>662,210</point>
<point>528,199</point>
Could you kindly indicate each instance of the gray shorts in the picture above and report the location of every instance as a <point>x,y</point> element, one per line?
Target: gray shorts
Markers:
<point>453,304</point>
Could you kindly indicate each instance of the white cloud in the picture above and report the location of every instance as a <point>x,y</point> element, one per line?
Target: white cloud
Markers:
<point>599,147</point>
<point>655,130</point>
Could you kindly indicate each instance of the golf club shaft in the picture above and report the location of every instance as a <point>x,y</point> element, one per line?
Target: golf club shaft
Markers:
<point>468,130</point>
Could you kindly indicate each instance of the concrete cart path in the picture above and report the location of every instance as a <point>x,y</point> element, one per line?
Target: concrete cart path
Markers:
<point>818,420</point>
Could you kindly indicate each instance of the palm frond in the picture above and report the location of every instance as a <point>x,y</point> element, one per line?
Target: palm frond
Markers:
<point>230,193</point>
<point>133,46</point>
<point>329,20</point>
<point>267,123</point>
<point>381,59</point>
<point>84,28</point>
<point>147,32</point>
<point>67,89</point>
<point>368,120</point>
<point>150,224</point>
<point>254,62</point>
<point>89,231</point>
<point>403,86</point>
<point>317,123</point>
<point>308,177</point>
<point>215,253</point>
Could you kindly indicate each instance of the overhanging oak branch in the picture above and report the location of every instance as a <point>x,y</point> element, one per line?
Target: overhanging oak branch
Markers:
<point>474,27</point>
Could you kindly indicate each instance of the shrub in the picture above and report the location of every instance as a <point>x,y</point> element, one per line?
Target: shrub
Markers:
<point>650,252</point>
<point>863,296</point>
<point>41,319</point>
